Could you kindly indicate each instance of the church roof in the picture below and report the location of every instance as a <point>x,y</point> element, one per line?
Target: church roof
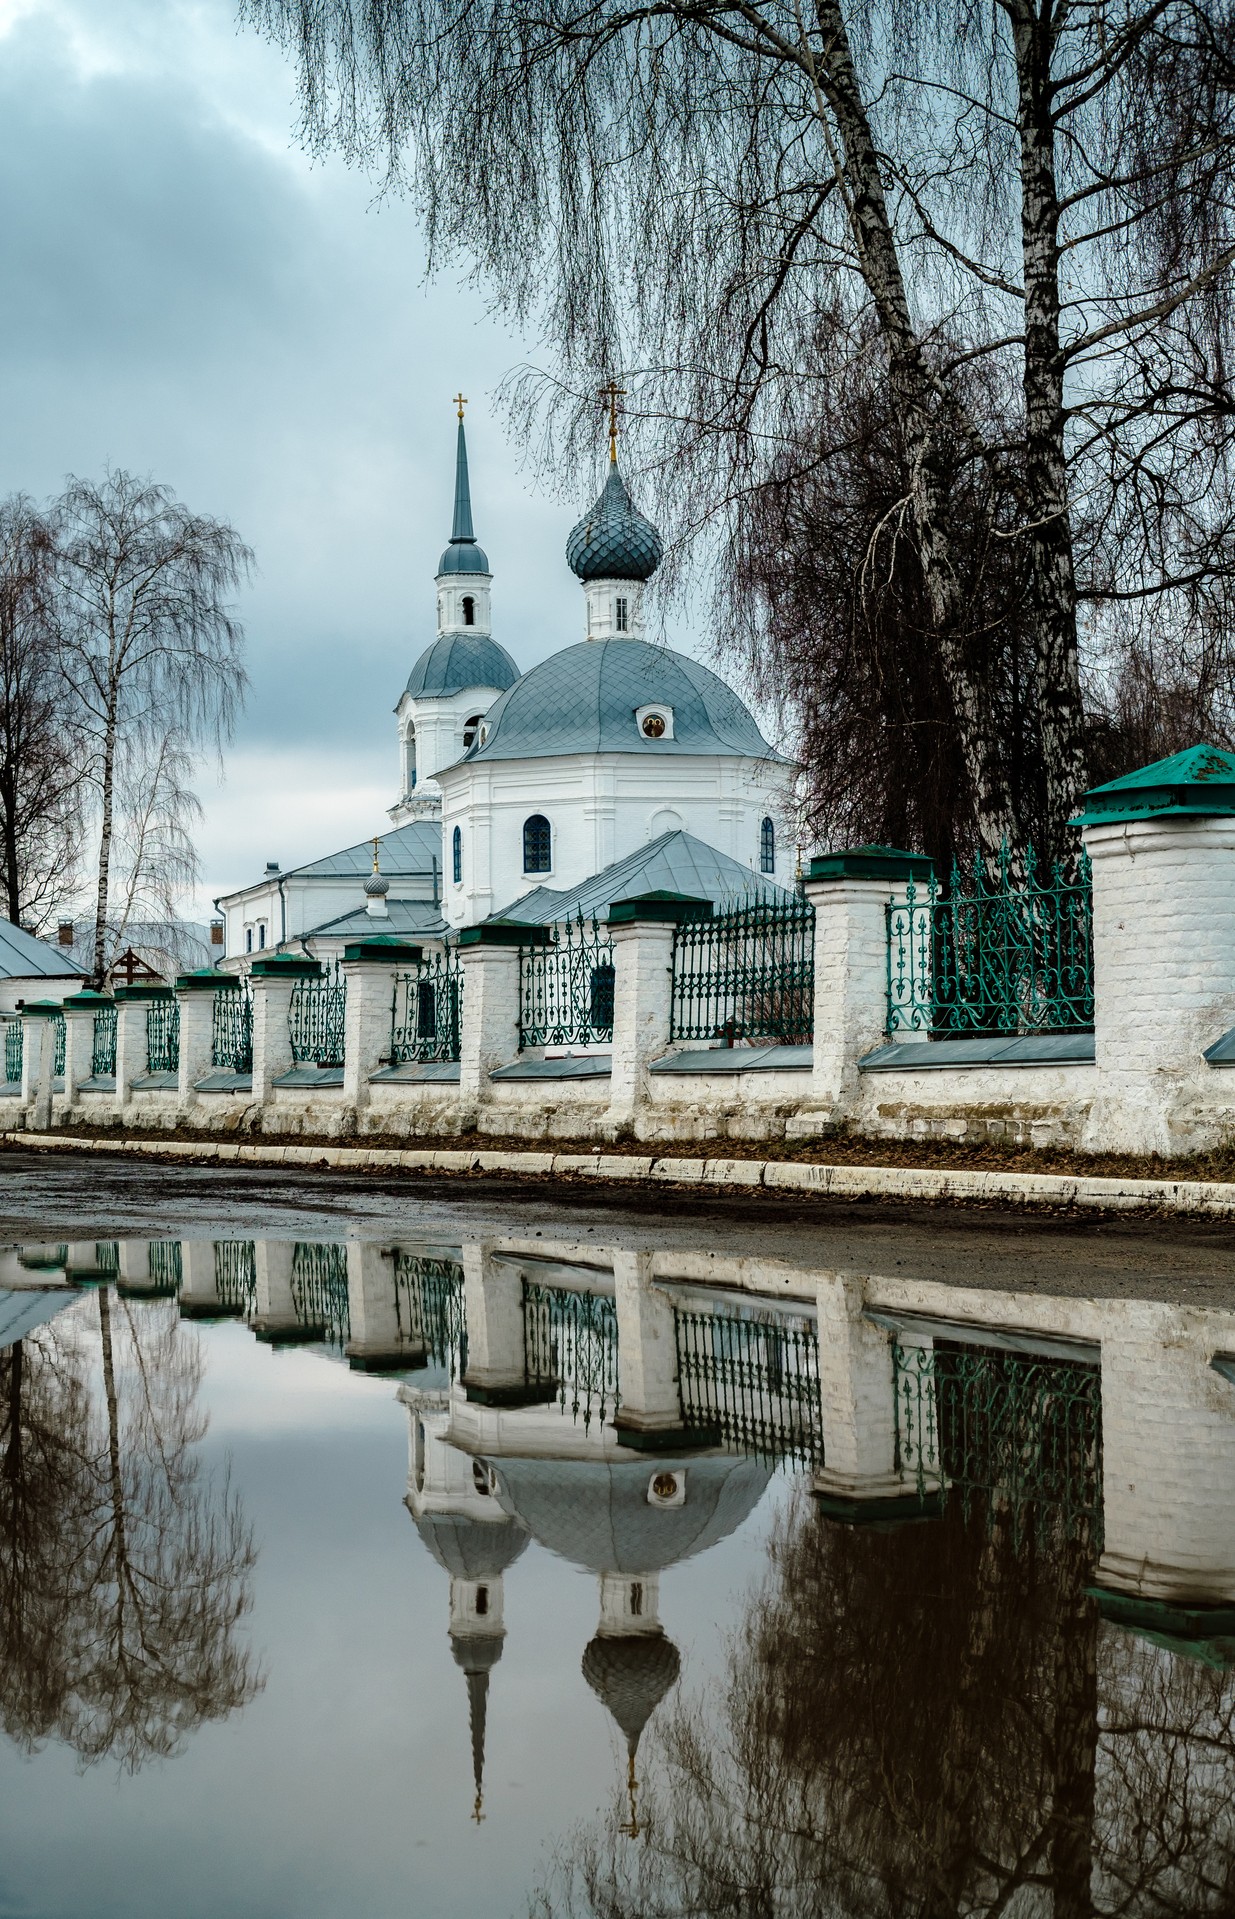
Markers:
<point>584,700</point>
<point>671,863</point>
<point>631,1675</point>
<point>471,1548</point>
<point>458,660</point>
<point>595,1513</point>
<point>405,919</point>
<point>406,849</point>
<point>22,956</point>
<point>614,541</point>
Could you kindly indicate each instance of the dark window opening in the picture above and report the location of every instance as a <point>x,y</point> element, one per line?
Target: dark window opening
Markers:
<point>426,1010</point>
<point>482,1601</point>
<point>469,610</point>
<point>537,844</point>
<point>621,615</point>
<point>767,847</point>
<point>456,855</point>
<point>480,1479</point>
<point>600,997</point>
<point>470,729</point>
<point>636,1600</point>
<point>261,934</point>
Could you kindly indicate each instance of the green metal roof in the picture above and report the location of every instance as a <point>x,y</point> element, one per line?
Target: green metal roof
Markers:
<point>1199,781</point>
<point>584,700</point>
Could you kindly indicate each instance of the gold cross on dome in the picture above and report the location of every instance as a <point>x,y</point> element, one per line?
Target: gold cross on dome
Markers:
<point>612,392</point>
<point>460,402</point>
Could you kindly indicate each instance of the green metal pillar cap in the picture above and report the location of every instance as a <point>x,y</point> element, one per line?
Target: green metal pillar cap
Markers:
<point>890,863</point>
<point>88,998</point>
<point>42,1008</point>
<point>1197,783</point>
<point>131,994</point>
<point>392,952</point>
<point>286,966</point>
<point>662,906</point>
<point>504,933</point>
<point>206,979</point>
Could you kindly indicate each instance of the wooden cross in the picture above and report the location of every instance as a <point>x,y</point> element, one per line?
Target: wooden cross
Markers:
<point>460,402</point>
<point>612,392</point>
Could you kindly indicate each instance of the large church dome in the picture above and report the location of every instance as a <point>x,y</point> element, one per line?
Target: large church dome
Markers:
<point>586,699</point>
<point>614,541</point>
<point>458,660</point>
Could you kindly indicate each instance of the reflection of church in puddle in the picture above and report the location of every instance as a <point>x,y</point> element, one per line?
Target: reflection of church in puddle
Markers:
<point>482,1483</point>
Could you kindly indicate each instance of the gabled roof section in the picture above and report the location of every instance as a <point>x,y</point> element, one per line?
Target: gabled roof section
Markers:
<point>402,917</point>
<point>674,863</point>
<point>22,956</point>
<point>406,849</point>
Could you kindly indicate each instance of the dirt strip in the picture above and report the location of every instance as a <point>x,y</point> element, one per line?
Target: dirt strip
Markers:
<point>1069,1191</point>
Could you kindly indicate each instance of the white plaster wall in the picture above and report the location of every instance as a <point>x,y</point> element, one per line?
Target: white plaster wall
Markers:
<point>59,988</point>
<point>1024,1105</point>
<point>601,808</point>
<point>439,725</point>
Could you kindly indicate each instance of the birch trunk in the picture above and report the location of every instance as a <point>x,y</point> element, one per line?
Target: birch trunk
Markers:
<point>965,667</point>
<point>105,839</point>
<point>1060,714</point>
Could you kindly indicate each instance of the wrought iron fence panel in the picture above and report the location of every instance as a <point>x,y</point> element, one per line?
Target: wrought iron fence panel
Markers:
<point>107,1257</point>
<point>58,1038</point>
<point>754,1377</point>
<point>1019,1430</point>
<point>166,1267</point>
<point>566,986</point>
<point>231,1029</point>
<point>426,1013</point>
<point>163,1036</point>
<point>13,1047</point>
<point>993,953</point>
<point>235,1273</point>
<point>319,1288</point>
<point>429,1309</point>
<point>316,1015</point>
<point>103,1052</point>
<point>748,973</point>
<point>570,1341</point>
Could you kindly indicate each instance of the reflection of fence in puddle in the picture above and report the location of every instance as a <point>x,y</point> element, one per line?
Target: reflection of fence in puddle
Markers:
<point>755,1377</point>
<point>429,1309</point>
<point>319,1289</point>
<point>570,1342</point>
<point>165,1266</point>
<point>235,1274</point>
<point>1018,1429</point>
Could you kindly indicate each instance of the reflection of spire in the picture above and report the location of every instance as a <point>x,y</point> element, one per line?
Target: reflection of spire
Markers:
<point>477,1702</point>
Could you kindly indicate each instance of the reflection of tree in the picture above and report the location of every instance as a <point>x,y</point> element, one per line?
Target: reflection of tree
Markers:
<point>929,1720</point>
<point>120,1626</point>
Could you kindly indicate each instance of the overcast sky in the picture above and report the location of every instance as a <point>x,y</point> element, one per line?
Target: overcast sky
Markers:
<point>185,295</point>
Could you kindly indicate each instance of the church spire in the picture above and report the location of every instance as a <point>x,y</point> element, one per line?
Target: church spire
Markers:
<point>477,1707</point>
<point>463,555</point>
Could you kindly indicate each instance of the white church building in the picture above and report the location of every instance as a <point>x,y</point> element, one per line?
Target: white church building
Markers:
<point>615,767</point>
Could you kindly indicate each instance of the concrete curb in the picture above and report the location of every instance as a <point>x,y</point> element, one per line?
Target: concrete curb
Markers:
<point>1212,1197</point>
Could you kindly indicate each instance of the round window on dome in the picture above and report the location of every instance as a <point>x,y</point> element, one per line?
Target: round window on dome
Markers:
<point>654,726</point>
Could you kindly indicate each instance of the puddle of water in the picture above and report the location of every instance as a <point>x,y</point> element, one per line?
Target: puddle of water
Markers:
<point>500,1578</point>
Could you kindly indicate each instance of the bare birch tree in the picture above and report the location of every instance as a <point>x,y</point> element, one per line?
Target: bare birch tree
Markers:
<point>152,653</point>
<point>741,202</point>
<point>40,782</point>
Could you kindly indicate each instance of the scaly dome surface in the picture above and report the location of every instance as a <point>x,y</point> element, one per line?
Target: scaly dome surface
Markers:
<point>471,1548</point>
<point>631,1676</point>
<point>596,1514</point>
<point>584,700</point>
<point>458,660</point>
<point>614,541</point>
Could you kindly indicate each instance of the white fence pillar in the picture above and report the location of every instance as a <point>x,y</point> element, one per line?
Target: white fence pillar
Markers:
<point>376,1341</point>
<point>369,967</point>
<point>642,931</point>
<point>860,1478</point>
<point>1162,843</point>
<point>493,1313</point>
<point>195,994</point>
<point>132,1047</point>
<point>273,981</point>
<point>489,968</point>
<point>850,894</point>
<point>79,1012</point>
<point>38,1046</point>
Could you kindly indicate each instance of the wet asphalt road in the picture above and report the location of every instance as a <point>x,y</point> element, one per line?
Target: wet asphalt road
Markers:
<point>59,1196</point>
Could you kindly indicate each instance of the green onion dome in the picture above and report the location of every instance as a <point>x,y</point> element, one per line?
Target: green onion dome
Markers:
<point>614,541</point>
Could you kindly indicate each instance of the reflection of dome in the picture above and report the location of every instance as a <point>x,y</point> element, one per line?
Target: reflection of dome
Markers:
<point>476,1654</point>
<point>631,1676</point>
<point>614,541</point>
<point>471,1548</point>
<point>584,700</point>
<point>595,1513</point>
<point>459,660</point>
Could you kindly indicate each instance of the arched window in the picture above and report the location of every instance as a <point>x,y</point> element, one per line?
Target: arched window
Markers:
<point>469,610</point>
<point>537,844</point>
<point>621,614</point>
<point>456,855</point>
<point>767,846</point>
<point>470,729</point>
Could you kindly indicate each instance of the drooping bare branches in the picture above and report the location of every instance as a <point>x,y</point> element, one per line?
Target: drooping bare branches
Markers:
<point>741,203</point>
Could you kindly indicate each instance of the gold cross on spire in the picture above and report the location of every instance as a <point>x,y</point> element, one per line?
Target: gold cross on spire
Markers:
<point>460,402</point>
<point>612,392</point>
<point>376,867</point>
